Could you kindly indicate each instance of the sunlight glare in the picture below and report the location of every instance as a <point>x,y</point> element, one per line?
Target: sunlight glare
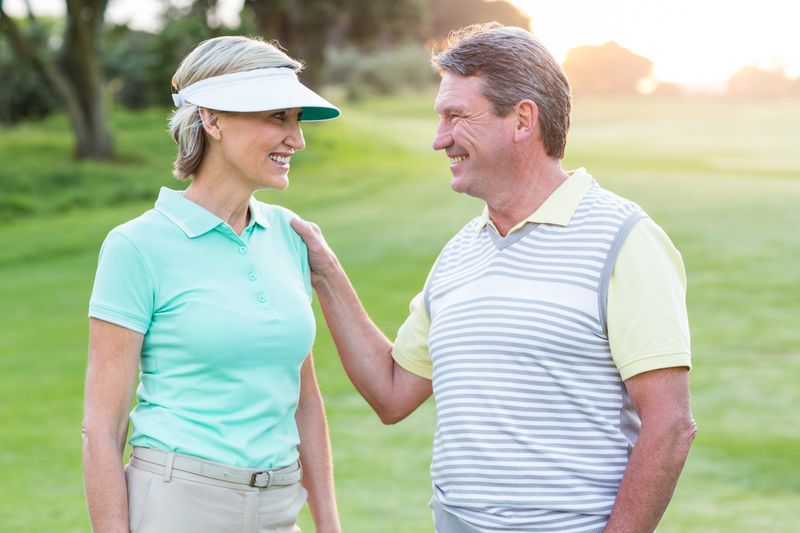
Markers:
<point>696,43</point>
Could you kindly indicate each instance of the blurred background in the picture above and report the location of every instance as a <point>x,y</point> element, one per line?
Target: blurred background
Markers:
<point>690,109</point>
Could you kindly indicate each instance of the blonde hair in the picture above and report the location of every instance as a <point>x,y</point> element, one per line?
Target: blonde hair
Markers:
<point>214,57</point>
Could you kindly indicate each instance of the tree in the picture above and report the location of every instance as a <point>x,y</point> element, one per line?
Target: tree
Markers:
<point>206,10</point>
<point>606,69</point>
<point>665,89</point>
<point>301,26</point>
<point>449,15</point>
<point>22,94</point>
<point>379,24</point>
<point>753,82</point>
<point>306,27</point>
<point>139,65</point>
<point>181,32</point>
<point>76,78</point>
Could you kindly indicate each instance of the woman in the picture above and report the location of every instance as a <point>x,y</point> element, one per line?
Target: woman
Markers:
<point>209,295</point>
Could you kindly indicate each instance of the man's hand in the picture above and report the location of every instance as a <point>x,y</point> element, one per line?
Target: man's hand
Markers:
<point>661,398</point>
<point>321,258</point>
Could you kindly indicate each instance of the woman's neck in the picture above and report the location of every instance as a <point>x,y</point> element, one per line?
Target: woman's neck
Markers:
<point>221,198</point>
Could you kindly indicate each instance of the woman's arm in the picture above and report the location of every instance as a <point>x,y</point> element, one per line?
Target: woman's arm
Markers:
<point>315,452</point>
<point>114,354</point>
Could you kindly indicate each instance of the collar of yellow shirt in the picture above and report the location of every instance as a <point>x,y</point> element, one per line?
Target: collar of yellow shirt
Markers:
<point>558,208</point>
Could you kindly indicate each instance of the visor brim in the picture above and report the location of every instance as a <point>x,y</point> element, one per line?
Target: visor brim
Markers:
<point>266,95</point>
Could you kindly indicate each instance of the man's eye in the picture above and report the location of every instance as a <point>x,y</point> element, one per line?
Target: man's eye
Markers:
<point>280,116</point>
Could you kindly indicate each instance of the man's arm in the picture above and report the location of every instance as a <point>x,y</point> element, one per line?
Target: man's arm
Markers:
<point>366,353</point>
<point>661,398</point>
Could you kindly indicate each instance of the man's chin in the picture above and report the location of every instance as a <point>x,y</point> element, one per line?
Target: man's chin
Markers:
<point>459,184</point>
<point>462,186</point>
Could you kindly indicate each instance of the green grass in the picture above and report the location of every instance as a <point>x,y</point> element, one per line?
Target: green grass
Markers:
<point>722,179</point>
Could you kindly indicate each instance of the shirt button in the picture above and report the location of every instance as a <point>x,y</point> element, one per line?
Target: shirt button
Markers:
<point>252,276</point>
<point>262,298</point>
<point>243,250</point>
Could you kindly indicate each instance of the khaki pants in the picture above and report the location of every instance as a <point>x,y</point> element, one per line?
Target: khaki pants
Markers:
<point>165,500</point>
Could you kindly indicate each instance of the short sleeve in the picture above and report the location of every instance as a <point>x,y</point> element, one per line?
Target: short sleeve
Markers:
<point>411,345</point>
<point>648,326</point>
<point>123,291</point>
<point>306,270</point>
<point>283,217</point>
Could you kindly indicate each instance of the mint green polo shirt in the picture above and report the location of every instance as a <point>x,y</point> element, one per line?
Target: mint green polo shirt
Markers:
<point>227,324</point>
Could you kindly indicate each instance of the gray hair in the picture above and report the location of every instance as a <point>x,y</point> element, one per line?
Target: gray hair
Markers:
<point>214,57</point>
<point>514,66</point>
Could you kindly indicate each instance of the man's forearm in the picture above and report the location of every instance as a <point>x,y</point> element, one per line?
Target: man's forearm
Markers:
<point>650,479</point>
<point>364,350</point>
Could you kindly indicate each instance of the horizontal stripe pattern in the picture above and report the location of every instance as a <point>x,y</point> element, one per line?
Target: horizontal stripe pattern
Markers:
<point>529,401</point>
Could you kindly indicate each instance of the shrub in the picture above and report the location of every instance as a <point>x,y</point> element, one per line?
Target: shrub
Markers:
<point>22,93</point>
<point>385,71</point>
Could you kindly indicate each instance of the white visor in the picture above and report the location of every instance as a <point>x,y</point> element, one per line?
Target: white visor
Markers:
<point>262,89</point>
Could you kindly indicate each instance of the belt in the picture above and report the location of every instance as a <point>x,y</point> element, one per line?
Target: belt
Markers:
<point>263,479</point>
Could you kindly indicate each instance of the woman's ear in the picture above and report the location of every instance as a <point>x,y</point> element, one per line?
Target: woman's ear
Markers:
<point>210,122</point>
<point>527,117</point>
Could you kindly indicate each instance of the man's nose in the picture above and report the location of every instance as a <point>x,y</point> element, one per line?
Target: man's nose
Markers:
<point>443,138</point>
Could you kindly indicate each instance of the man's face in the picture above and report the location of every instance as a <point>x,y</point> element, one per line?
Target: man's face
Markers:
<point>475,139</point>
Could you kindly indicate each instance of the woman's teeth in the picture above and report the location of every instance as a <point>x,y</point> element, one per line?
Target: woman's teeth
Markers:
<point>283,160</point>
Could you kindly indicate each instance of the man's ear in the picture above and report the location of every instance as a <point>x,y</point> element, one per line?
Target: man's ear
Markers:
<point>210,122</point>
<point>526,113</point>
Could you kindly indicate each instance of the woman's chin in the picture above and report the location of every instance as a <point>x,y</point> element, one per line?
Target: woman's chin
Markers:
<point>278,183</point>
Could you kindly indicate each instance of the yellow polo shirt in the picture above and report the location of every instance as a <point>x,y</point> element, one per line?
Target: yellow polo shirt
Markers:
<point>648,326</point>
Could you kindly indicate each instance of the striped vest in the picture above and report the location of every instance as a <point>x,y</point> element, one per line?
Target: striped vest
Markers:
<point>534,424</point>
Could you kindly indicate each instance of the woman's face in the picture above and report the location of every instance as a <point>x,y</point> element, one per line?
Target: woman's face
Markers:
<point>256,147</point>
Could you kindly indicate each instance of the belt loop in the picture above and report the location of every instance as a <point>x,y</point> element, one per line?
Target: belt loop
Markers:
<point>168,467</point>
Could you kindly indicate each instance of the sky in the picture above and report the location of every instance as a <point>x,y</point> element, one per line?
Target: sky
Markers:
<point>692,42</point>
<point>697,43</point>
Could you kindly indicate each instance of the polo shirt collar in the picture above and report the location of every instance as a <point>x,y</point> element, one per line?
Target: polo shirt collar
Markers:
<point>256,214</point>
<point>558,208</point>
<point>193,219</point>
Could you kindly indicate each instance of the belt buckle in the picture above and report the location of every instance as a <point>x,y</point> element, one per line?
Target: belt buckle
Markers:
<point>253,480</point>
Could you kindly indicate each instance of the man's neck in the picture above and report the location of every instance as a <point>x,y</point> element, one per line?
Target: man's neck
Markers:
<point>523,197</point>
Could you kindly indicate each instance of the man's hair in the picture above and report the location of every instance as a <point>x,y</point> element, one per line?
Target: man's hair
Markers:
<point>514,66</point>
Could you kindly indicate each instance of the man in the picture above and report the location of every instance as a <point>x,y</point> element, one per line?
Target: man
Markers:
<point>552,330</point>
